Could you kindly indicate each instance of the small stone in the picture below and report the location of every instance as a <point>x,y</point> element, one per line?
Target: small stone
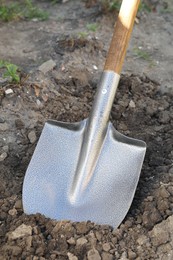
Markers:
<point>8,92</point>
<point>128,223</point>
<point>159,235</point>
<point>28,242</point>
<point>39,251</point>
<point>68,229</point>
<point>117,255</point>
<point>164,193</point>
<point>45,97</point>
<point>15,250</point>
<point>171,170</point>
<point>5,148</point>
<point>142,240</point>
<point>12,212</point>
<point>164,117</point>
<point>163,205</point>
<point>56,229</point>
<point>150,218</point>
<point>21,231</point>
<point>98,235</point>
<point>2,120</point>
<point>47,66</point>
<point>71,241</point>
<point>93,254</point>
<point>32,137</point>
<point>34,258</point>
<point>67,107</point>
<point>59,225</point>
<point>19,123</point>
<point>71,256</point>
<point>75,108</point>
<point>35,20</point>
<point>118,233</point>
<point>107,256</point>
<point>150,198</point>
<point>106,247</point>
<point>2,231</point>
<point>131,254</point>
<point>35,230</point>
<point>114,240</point>
<point>81,241</point>
<point>3,81</point>
<point>112,251</point>
<point>132,104</point>
<point>139,219</point>
<point>170,189</point>
<point>3,156</point>
<point>124,256</point>
<point>81,228</point>
<point>18,204</point>
<point>38,103</point>
<point>92,239</point>
<point>3,126</point>
<point>95,67</point>
<point>53,256</point>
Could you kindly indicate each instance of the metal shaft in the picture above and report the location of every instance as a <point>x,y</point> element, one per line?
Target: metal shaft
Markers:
<point>94,135</point>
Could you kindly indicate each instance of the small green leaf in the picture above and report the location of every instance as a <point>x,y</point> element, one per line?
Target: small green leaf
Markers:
<point>92,27</point>
<point>11,71</point>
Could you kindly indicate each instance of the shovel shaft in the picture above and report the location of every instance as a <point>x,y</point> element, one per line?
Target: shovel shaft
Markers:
<point>121,35</point>
<point>94,135</point>
<point>97,124</point>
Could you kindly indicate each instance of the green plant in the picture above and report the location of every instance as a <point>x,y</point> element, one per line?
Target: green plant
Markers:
<point>32,11</point>
<point>92,27</point>
<point>10,71</point>
<point>83,35</point>
<point>22,10</point>
<point>111,5</point>
<point>144,7</point>
<point>115,5</point>
<point>55,1</point>
<point>142,54</point>
<point>9,12</point>
<point>166,7</point>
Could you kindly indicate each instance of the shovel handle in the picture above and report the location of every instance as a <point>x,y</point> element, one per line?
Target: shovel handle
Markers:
<point>121,35</point>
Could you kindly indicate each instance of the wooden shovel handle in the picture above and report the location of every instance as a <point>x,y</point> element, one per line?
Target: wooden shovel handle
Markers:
<point>121,35</point>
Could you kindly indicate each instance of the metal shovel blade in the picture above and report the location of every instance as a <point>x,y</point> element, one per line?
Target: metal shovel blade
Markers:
<point>104,197</point>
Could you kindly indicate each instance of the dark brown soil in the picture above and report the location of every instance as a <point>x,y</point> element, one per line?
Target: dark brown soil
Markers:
<point>150,118</point>
<point>141,109</point>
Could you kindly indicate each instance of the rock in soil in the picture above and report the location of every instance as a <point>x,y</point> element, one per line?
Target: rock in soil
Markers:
<point>47,66</point>
<point>32,137</point>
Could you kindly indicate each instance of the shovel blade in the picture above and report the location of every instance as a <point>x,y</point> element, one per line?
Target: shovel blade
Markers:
<point>110,191</point>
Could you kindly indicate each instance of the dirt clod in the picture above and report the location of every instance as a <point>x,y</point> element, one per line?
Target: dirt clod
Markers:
<point>93,254</point>
<point>32,137</point>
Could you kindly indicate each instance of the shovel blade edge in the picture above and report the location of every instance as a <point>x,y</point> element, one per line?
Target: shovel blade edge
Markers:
<point>50,174</point>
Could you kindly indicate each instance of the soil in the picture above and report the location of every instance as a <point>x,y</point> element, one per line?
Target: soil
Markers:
<point>143,108</point>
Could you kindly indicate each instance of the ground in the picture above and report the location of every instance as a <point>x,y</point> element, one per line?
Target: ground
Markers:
<point>63,89</point>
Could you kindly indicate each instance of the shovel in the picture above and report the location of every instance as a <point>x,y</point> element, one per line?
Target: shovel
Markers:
<point>88,170</point>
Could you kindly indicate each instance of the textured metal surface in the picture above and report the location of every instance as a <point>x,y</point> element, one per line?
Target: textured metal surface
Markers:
<point>87,170</point>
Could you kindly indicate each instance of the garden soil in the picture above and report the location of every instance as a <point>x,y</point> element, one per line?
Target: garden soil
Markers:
<point>63,88</point>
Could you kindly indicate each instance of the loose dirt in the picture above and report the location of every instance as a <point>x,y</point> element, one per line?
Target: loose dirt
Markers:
<point>142,109</point>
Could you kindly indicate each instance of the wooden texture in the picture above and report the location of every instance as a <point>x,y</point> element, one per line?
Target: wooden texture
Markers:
<point>121,35</point>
